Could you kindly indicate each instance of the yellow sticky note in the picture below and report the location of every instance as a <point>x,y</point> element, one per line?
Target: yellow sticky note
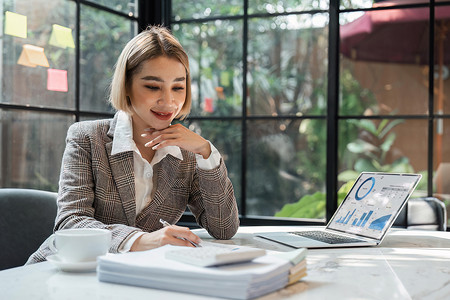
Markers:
<point>32,56</point>
<point>61,37</point>
<point>15,24</point>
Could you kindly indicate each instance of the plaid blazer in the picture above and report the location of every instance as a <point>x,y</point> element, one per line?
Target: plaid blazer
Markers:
<point>96,189</point>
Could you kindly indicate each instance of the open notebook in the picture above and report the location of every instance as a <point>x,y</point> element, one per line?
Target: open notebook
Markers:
<point>364,216</point>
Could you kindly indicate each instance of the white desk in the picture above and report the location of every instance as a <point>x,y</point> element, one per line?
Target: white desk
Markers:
<point>407,265</point>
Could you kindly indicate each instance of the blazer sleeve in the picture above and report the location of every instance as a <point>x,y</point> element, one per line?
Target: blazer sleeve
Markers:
<point>81,189</point>
<point>213,203</point>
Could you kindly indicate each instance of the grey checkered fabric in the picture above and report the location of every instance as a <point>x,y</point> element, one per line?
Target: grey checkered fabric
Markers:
<point>96,189</point>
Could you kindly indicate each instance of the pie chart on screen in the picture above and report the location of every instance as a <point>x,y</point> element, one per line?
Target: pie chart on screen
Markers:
<point>365,188</point>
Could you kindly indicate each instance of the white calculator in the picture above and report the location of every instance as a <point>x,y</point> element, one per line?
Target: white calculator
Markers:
<point>213,254</point>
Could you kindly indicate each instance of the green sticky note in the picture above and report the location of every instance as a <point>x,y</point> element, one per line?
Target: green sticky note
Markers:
<point>225,79</point>
<point>61,37</point>
<point>15,24</point>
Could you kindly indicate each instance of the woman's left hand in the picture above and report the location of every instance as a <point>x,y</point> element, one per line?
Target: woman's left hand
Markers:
<point>177,135</point>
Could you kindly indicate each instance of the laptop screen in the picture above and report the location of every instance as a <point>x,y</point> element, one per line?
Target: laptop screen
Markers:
<point>373,203</point>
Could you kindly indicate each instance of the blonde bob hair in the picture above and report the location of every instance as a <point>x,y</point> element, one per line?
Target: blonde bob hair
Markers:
<point>151,43</point>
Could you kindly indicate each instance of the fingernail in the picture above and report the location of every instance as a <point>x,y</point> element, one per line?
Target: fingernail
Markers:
<point>154,147</point>
<point>144,134</point>
<point>147,144</point>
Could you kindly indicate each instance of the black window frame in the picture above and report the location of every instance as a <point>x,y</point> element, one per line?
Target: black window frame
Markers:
<point>332,117</point>
<point>160,11</point>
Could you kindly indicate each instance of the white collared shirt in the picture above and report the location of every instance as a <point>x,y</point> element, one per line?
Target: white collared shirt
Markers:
<point>143,170</point>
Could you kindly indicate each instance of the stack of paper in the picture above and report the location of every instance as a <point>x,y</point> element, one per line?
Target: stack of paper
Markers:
<point>297,258</point>
<point>237,281</point>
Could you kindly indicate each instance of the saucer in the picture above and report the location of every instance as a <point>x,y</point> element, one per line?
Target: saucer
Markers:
<point>88,266</point>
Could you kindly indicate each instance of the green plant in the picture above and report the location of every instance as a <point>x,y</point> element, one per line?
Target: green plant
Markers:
<point>372,147</point>
<point>312,206</point>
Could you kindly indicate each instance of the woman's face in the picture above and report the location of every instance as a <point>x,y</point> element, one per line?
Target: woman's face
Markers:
<point>157,92</point>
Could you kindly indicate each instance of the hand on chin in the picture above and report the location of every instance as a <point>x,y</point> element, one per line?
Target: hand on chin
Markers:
<point>156,126</point>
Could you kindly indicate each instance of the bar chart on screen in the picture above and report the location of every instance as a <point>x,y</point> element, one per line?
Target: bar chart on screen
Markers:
<point>377,224</point>
<point>361,222</point>
<point>344,220</point>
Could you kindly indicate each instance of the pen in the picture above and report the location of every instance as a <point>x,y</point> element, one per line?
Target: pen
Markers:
<point>165,224</point>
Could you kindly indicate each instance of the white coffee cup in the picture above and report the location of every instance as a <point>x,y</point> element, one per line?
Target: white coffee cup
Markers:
<point>80,244</point>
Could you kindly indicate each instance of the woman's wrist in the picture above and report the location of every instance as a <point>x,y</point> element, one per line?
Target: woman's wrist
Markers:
<point>135,246</point>
<point>206,150</point>
<point>143,243</point>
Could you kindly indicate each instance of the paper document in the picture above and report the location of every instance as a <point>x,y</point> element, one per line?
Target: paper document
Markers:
<point>236,281</point>
<point>214,254</point>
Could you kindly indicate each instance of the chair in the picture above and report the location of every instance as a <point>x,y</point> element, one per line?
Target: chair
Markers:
<point>427,213</point>
<point>27,218</point>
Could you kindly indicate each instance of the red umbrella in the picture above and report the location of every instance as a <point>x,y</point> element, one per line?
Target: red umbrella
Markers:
<point>400,36</point>
<point>395,35</point>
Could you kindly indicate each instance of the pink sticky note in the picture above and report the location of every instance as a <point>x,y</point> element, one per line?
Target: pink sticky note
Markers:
<point>208,105</point>
<point>57,80</point>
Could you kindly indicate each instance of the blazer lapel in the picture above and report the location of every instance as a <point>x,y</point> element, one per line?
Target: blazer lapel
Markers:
<point>122,169</point>
<point>164,177</point>
<point>163,182</point>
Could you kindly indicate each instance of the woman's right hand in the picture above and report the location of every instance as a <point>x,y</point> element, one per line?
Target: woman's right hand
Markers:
<point>173,235</point>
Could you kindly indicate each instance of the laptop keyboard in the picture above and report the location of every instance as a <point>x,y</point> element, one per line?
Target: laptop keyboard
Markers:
<point>326,237</point>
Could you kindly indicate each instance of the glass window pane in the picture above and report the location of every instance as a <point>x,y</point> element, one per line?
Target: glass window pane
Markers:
<point>91,118</point>
<point>36,84</point>
<point>276,6</point>
<point>442,59</point>
<point>441,178</point>
<point>379,76</point>
<point>442,152</point>
<point>382,89</point>
<point>349,4</point>
<point>226,136</point>
<point>32,148</point>
<point>130,7</point>
<point>388,36</point>
<point>216,67</point>
<point>101,43</point>
<point>286,168</point>
<point>387,145</point>
<point>205,9</point>
<point>288,65</point>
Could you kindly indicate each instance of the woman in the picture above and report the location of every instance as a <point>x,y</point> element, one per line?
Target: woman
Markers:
<point>127,173</point>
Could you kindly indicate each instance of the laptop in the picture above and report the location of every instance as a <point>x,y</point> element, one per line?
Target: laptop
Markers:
<point>364,216</point>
